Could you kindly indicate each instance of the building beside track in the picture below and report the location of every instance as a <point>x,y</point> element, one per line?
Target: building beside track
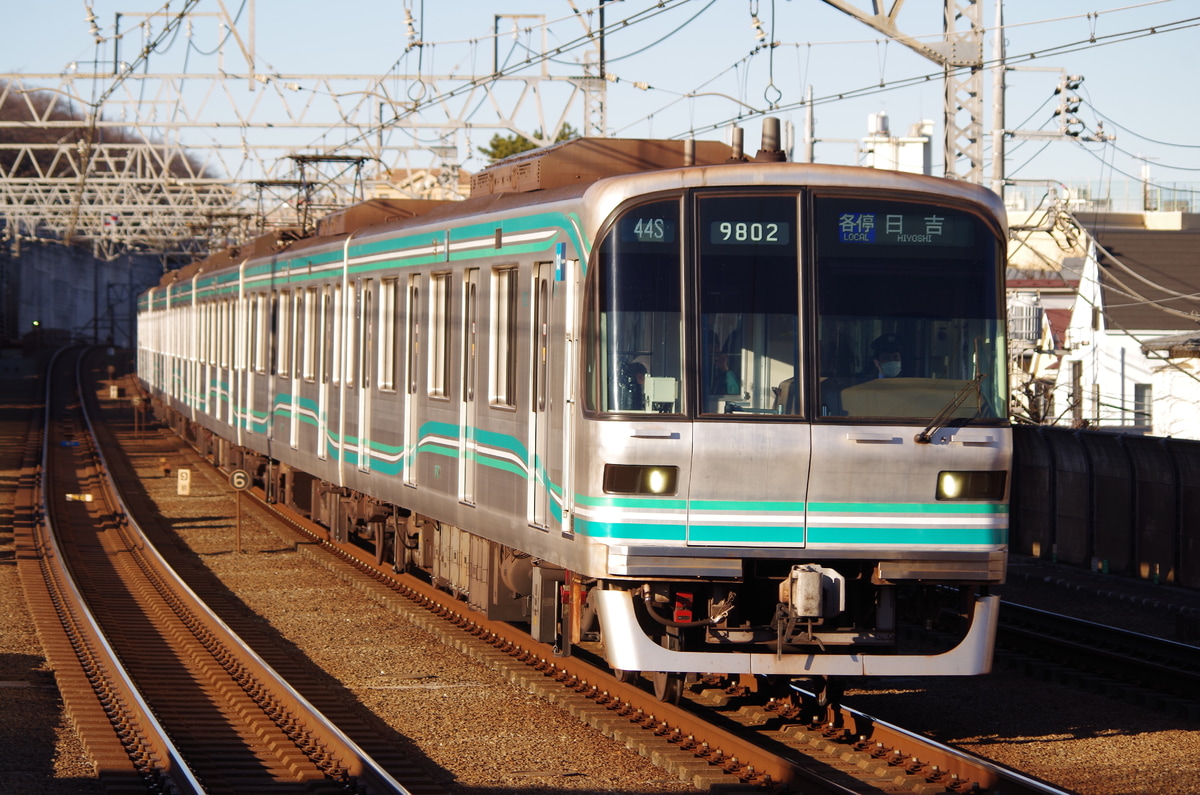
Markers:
<point>1107,312</point>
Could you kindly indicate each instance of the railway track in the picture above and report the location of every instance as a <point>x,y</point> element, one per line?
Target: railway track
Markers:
<point>181,703</point>
<point>1107,659</point>
<point>716,738</point>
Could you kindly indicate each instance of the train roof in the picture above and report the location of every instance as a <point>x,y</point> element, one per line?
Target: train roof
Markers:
<point>556,172</point>
<point>582,161</point>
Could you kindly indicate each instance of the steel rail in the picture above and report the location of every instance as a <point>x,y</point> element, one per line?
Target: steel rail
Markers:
<point>359,762</point>
<point>85,629</point>
<point>1163,665</point>
<point>740,754</point>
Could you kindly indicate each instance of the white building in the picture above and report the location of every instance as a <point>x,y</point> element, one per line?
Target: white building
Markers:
<point>1140,281</point>
<point>1175,381</point>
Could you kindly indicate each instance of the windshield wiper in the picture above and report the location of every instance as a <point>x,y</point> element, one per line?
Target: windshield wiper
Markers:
<point>926,436</point>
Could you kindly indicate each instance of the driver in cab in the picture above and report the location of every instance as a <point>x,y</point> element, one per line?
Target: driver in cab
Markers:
<point>888,362</point>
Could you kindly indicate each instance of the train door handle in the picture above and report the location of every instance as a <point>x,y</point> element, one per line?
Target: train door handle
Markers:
<point>654,433</point>
<point>874,438</point>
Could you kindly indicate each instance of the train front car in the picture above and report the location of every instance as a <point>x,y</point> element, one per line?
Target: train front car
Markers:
<point>794,422</point>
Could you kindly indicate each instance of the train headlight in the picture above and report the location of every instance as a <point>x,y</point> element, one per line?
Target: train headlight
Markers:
<point>987,485</point>
<point>639,479</point>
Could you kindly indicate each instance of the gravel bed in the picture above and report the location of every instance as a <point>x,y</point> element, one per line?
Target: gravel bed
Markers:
<point>39,750</point>
<point>477,732</point>
<point>1083,742</point>
<point>1089,744</point>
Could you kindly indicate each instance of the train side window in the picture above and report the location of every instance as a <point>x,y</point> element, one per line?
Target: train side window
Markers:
<point>388,289</point>
<point>296,346</point>
<point>310,335</point>
<point>325,349</point>
<point>338,322</point>
<point>283,332</point>
<point>413,343</point>
<point>210,331</point>
<point>367,321</point>
<point>223,324</point>
<point>504,337</point>
<point>470,333</point>
<point>259,329</point>
<point>353,328</point>
<point>634,356</point>
<point>439,328</point>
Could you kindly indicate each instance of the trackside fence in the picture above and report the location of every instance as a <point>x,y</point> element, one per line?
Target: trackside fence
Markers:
<point>1126,505</point>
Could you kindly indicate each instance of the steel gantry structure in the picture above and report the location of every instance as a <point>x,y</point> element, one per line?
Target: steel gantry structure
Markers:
<point>960,54</point>
<point>115,155</point>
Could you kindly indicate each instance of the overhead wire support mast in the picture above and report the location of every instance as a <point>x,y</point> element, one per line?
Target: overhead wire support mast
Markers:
<point>960,54</point>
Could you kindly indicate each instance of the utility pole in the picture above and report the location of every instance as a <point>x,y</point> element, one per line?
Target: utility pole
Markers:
<point>998,92</point>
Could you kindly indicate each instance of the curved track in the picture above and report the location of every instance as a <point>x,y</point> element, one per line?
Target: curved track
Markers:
<point>234,725</point>
<point>716,738</point>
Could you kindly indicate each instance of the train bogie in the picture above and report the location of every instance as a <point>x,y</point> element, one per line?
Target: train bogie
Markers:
<point>750,415</point>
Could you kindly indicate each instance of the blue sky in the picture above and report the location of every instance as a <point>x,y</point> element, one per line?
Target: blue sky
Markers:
<point>693,66</point>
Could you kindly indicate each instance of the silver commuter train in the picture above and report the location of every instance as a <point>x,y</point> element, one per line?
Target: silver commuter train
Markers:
<point>747,413</point>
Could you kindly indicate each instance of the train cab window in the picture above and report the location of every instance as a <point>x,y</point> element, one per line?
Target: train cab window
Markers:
<point>635,360</point>
<point>909,312</point>
<point>748,345</point>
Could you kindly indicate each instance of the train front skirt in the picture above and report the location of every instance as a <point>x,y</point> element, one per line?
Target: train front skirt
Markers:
<point>628,648</point>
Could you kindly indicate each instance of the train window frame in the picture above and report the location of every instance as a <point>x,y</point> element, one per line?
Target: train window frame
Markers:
<point>258,328</point>
<point>351,336</point>
<point>505,345</point>
<point>389,290</point>
<point>595,363</point>
<point>540,340</point>
<point>440,330</point>
<point>283,332</point>
<point>413,341</point>
<point>338,325</point>
<point>816,252</point>
<point>470,333</point>
<point>223,327</point>
<point>294,346</point>
<point>774,393</point>
<point>311,349</point>
<point>367,323</point>
<point>324,349</point>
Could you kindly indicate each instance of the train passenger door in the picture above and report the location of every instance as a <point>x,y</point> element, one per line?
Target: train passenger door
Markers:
<point>750,446</point>
<point>468,423</point>
<point>324,359</point>
<point>366,326</point>
<point>412,369</point>
<point>540,483</point>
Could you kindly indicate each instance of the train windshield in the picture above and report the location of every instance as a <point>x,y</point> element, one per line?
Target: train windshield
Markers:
<point>639,364</point>
<point>747,270</point>
<point>909,313</point>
